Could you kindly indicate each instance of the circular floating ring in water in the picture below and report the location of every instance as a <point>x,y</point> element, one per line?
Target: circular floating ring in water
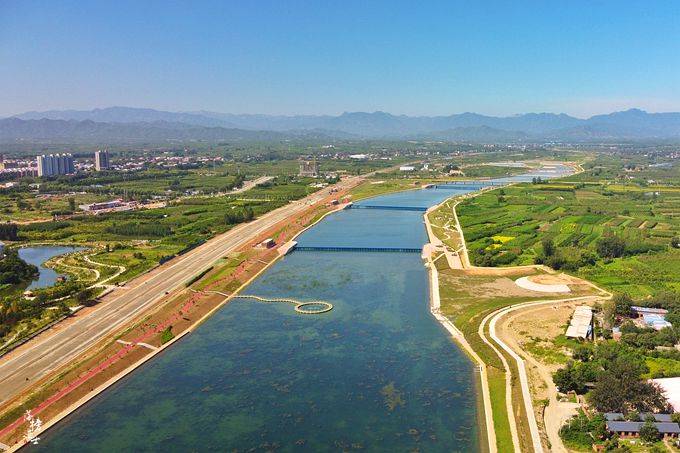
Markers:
<point>313,308</point>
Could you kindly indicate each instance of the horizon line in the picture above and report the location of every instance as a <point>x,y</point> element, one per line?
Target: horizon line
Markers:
<point>290,115</point>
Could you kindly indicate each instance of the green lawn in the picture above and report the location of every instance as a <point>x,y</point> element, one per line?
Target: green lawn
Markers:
<point>496,379</point>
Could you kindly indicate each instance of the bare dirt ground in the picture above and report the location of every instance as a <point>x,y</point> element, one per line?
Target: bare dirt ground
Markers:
<point>549,279</point>
<point>531,333</point>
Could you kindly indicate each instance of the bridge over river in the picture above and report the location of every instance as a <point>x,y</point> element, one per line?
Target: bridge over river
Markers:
<point>389,208</point>
<point>356,249</point>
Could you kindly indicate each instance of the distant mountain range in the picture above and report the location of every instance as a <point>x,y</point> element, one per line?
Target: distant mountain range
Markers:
<point>135,124</point>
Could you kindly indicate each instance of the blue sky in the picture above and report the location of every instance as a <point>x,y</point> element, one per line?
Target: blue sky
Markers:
<point>290,57</point>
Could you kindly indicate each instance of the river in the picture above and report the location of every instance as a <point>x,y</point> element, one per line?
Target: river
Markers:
<point>377,372</point>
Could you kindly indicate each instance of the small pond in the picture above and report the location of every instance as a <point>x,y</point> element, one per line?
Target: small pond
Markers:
<point>38,256</point>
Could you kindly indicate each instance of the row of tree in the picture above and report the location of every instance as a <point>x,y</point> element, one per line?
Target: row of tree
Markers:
<point>9,232</point>
<point>239,215</point>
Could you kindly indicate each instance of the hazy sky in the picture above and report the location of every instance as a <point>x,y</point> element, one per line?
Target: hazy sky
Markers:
<point>289,57</point>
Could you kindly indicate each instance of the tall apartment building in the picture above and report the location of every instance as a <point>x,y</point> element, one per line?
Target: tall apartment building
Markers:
<point>55,164</point>
<point>101,160</point>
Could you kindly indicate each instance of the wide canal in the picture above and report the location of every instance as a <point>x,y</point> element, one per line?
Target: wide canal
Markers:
<point>377,372</point>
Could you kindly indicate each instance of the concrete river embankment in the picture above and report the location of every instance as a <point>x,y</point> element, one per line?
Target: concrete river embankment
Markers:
<point>376,372</point>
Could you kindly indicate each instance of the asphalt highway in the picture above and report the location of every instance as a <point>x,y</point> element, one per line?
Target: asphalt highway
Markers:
<point>64,342</point>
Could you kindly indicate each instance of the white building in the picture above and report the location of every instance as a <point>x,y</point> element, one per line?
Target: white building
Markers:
<point>407,168</point>
<point>101,160</point>
<point>55,164</point>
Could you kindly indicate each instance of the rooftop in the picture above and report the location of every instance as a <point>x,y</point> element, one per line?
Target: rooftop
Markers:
<point>647,310</point>
<point>580,324</point>
<point>618,416</point>
<point>634,427</point>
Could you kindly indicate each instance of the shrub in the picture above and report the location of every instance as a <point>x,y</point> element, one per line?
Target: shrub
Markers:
<point>167,335</point>
<point>649,432</point>
<point>611,247</point>
<point>548,246</point>
<point>580,431</point>
<point>633,416</point>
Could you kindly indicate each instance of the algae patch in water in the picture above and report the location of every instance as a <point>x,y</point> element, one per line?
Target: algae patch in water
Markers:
<point>393,396</point>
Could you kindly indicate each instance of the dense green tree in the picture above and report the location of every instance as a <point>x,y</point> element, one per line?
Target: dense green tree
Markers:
<point>620,387</point>
<point>575,376</point>
<point>86,297</point>
<point>610,247</point>
<point>622,303</point>
<point>548,246</point>
<point>608,314</point>
<point>14,270</point>
<point>9,232</point>
<point>235,216</point>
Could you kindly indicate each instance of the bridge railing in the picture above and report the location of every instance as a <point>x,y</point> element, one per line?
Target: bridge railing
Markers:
<point>357,249</point>
<point>393,208</point>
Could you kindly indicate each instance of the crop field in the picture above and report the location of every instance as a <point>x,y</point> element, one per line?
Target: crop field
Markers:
<point>181,222</point>
<point>506,228</point>
<point>638,276</point>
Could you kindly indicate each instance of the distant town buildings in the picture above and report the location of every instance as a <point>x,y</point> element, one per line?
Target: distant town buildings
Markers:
<point>101,160</point>
<point>11,169</point>
<point>55,164</point>
<point>19,172</point>
<point>309,168</point>
<point>7,165</point>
